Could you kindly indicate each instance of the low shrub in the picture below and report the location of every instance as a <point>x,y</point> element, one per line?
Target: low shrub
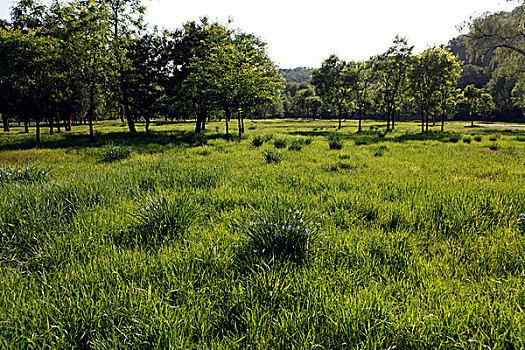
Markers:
<point>478,138</point>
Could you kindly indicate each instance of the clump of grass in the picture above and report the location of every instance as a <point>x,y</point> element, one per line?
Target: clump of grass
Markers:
<point>345,156</point>
<point>272,156</point>
<point>453,139</point>
<point>281,234</point>
<point>520,138</point>
<point>258,141</point>
<point>279,143</point>
<point>295,145</point>
<point>27,174</point>
<point>478,138</point>
<point>335,142</point>
<point>163,219</point>
<point>252,127</point>
<point>360,142</point>
<point>494,138</point>
<point>200,139</point>
<point>381,135</point>
<point>467,139</point>
<point>494,146</point>
<point>308,141</point>
<point>380,151</point>
<point>204,152</point>
<point>111,153</point>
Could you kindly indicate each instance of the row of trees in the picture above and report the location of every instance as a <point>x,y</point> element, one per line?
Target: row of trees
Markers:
<point>393,83</point>
<point>76,60</point>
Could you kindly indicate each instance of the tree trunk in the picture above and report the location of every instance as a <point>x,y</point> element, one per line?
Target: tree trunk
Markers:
<point>91,112</point>
<point>360,114</point>
<point>240,128</point>
<point>422,121</point>
<point>69,122</point>
<point>147,124</point>
<point>242,123</point>
<point>127,112</point>
<point>26,125</point>
<point>388,120</point>
<point>393,119</point>
<point>228,115</point>
<point>51,123</point>
<point>58,122</point>
<point>442,122</point>
<point>5,123</point>
<point>38,131</point>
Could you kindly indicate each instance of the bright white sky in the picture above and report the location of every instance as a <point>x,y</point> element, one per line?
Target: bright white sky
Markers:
<point>302,33</point>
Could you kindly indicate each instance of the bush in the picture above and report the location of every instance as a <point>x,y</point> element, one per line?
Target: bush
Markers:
<point>272,156</point>
<point>163,219</point>
<point>478,138</point>
<point>257,141</point>
<point>281,234</point>
<point>335,142</point>
<point>467,139</point>
<point>111,153</point>
<point>279,143</point>
<point>453,139</point>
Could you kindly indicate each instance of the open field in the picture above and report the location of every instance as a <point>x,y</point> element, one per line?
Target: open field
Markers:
<point>401,240</point>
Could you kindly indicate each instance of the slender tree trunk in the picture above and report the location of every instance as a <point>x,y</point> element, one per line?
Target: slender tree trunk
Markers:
<point>388,119</point>
<point>69,122</point>
<point>442,122</point>
<point>147,124</point>
<point>5,123</point>
<point>228,115</point>
<point>91,112</point>
<point>51,123</point>
<point>242,123</point>
<point>58,122</point>
<point>240,127</point>
<point>393,119</point>
<point>422,121</point>
<point>360,114</point>
<point>38,131</point>
<point>127,112</point>
<point>26,125</point>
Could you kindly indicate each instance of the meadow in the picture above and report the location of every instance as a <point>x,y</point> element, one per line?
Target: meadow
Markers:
<point>296,236</point>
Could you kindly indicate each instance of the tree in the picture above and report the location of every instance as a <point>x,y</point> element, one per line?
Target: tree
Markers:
<point>332,83</point>
<point>390,70</point>
<point>29,62</point>
<point>479,102</point>
<point>433,78</point>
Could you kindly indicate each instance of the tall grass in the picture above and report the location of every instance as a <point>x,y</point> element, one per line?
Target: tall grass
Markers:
<point>419,244</point>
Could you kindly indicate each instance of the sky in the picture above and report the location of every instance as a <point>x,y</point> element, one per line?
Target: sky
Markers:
<point>304,33</point>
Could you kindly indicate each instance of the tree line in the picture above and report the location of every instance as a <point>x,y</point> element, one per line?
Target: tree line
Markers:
<point>79,60</point>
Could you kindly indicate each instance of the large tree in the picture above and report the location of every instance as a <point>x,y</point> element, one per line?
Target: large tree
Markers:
<point>433,78</point>
<point>391,70</point>
<point>333,83</point>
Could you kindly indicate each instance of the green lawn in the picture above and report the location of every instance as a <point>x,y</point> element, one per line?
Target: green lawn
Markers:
<point>401,240</point>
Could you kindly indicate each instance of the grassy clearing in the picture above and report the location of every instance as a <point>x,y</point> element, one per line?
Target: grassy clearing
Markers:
<point>406,240</point>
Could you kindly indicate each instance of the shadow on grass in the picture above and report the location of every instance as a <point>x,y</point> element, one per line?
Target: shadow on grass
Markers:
<point>138,140</point>
<point>372,137</point>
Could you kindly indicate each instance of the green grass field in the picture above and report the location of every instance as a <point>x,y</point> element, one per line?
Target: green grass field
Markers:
<point>402,240</point>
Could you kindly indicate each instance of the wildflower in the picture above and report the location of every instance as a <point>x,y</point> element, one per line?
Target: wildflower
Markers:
<point>521,217</point>
<point>307,231</point>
